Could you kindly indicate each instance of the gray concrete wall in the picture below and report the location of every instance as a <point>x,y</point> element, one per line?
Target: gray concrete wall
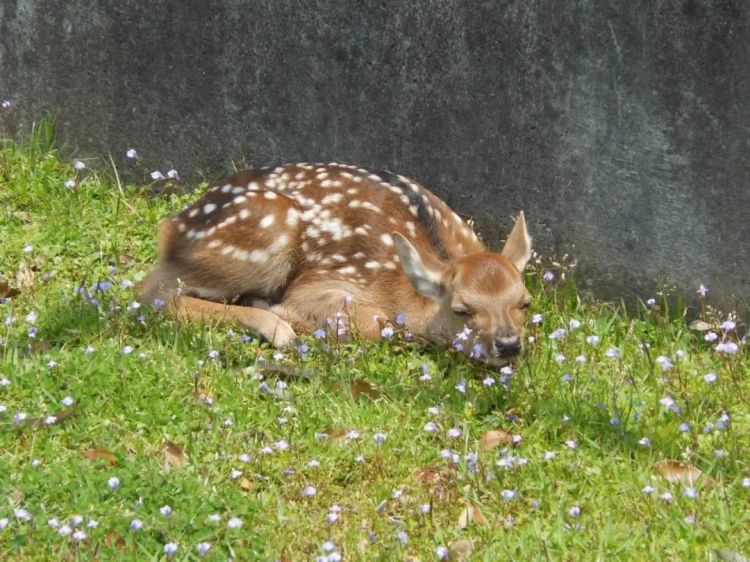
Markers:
<point>621,127</point>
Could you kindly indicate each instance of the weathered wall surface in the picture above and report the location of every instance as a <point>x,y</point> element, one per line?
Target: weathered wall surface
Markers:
<point>621,127</point>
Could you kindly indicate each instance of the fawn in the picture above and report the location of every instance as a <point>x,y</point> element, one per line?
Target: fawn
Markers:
<point>302,242</point>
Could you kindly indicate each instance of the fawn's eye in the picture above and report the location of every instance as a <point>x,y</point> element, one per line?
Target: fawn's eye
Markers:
<point>525,305</point>
<point>461,311</point>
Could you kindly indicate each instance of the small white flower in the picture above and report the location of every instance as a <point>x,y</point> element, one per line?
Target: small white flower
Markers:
<point>131,153</point>
<point>78,165</point>
<point>308,491</point>
<point>667,497</point>
<point>113,482</point>
<point>234,523</point>
<point>170,548</point>
<point>214,518</point>
<point>644,442</point>
<point>442,552</point>
<point>353,435</point>
<point>710,377</point>
<point>172,174</point>
<point>574,324</point>
<point>574,511</point>
<point>70,184</point>
<point>454,432</point>
<point>430,427</point>
<point>549,455</point>
<point>572,444</point>
<point>28,248</point>
<point>65,531</point>
<point>157,175</point>
<point>203,548</point>
<point>79,535</point>
<point>592,340</point>
<point>612,353</point>
<point>536,319</point>
<point>4,522</point>
<point>67,401</point>
<point>648,489</point>
<point>136,525</point>
<point>165,510</point>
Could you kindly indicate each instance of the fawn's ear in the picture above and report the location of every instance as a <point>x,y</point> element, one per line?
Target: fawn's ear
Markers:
<point>518,246</point>
<point>426,280</point>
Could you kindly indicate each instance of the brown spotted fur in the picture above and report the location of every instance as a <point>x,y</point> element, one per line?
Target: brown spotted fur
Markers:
<point>303,237</point>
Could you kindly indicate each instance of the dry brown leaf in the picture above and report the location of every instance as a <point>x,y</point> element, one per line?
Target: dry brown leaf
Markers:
<point>700,325</point>
<point>60,416</point>
<point>494,439</point>
<point>6,291</point>
<point>461,549</point>
<point>24,277</point>
<point>359,388</point>
<point>103,454</point>
<point>336,432</point>
<point>426,475</point>
<point>174,456</point>
<point>245,485</point>
<point>471,513</point>
<point>113,538</point>
<point>678,472</point>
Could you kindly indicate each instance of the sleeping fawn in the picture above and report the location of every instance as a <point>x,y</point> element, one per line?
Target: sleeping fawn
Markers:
<point>301,243</point>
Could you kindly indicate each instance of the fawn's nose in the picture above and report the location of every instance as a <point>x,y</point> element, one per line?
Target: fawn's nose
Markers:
<point>507,344</point>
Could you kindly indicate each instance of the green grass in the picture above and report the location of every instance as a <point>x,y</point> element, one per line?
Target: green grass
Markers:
<point>169,388</point>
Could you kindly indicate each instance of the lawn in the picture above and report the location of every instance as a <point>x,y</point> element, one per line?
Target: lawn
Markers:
<point>125,435</point>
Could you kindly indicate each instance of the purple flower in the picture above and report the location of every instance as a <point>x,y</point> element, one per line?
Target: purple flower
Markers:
<point>386,333</point>
<point>710,377</point>
<point>203,548</point>
<point>7,104</point>
<point>702,290</point>
<point>557,334</point>
<point>78,165</point>
<point>574,511</point>
<point>728,347</point>
<point>711,336</point>
<point>401,319</point>
<point>548,276</point>
<point>170,548</point>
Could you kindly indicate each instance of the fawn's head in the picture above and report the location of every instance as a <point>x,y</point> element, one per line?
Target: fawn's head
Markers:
<point>480,296</point>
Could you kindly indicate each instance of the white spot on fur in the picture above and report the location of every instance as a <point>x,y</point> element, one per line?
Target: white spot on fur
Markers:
<point>411,228</point>
<point>267,221</point>
<point>348,270</point>
<point>215,243</point>
<point>270,195</point>
<point>239,200</point>
<point>389,265</point>
<point>244,214</point>
<point>386,239</point>
<point>237,190</point>
<point>226,188</point>
<point>372,265</point>
<point>352,191</point>
<point>193,212</point>
<point>361,230</point>
<point>252,186</point>
<point>258,256</point>
<point>292,216</point>
<point>240,255</point>
<point>279,243</point>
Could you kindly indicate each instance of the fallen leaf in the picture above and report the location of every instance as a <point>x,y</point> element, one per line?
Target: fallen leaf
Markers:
<point>359,388</point>
<point>426,475</point>
<point>6,291</point>
<point>494,439</point>
<point>730,556</point>
<point>60,416</point>
<point>103,454</point>
<point>470,513</point>
<point>245,485</point>
<point>700,325</point>
<point>24,277</point>
<point>336,432</point>
<point>461,549</point>
<point>113,538</point>
<point>678,472</point>
<point>174,456</point>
